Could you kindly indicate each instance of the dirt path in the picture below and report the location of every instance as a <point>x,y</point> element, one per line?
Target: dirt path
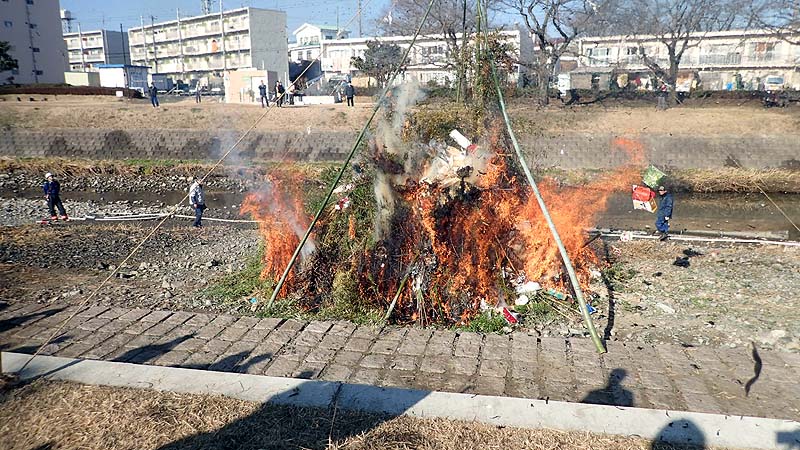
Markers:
<point>183,113</point>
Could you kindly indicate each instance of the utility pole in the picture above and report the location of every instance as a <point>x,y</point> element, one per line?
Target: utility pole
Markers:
<point>80,41</point>
<point>338,32</point>
<point>359,18</point>
<point>205,6</point>
<point>180,42</point>
<point>462,76</point>
<point>124,50</point>
<point>222,29</point>
<point>153,35</point>
<point>144,43</point>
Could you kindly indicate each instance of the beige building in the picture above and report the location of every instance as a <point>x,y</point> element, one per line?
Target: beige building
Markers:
<point>207,46</point>
<point>89,48</point>
<point>33,28</point>
<point>723,60</point>
<point>427,60</point>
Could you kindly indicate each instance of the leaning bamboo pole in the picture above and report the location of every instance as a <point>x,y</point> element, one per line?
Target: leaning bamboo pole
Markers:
<point>573,278</point>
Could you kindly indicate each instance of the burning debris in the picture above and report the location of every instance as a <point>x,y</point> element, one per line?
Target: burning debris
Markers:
<point>442,231</point>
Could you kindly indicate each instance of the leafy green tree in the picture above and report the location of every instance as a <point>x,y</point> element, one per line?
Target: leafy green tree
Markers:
<point>380,61</point>
<point>6,61</point>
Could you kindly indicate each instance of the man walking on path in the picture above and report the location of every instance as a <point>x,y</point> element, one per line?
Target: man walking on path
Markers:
<point>262,92</point>
<point>349,92</point>
<point>52,191</point>
<point>197,199</point>
<point>279,91</point>
<point>153,95</point>
<point>197,98</point>
<point>664,213</point>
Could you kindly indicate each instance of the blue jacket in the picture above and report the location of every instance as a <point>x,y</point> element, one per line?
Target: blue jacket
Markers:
<point>665,205</point>
<point>51,188</point>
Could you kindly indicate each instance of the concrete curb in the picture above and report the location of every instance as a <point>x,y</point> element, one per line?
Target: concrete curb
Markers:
<point>662,425</point>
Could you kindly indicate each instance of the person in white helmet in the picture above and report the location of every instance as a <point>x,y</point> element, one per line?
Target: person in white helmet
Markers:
<point>52,193</point>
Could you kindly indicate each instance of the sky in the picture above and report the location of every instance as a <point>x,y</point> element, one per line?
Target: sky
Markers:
<point>109,14</point>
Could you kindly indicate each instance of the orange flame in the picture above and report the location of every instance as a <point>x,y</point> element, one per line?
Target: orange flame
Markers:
<point>281,220</point>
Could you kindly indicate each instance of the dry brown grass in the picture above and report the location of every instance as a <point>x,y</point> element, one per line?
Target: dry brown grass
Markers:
<point>72,416</point>
<point>731,179</point>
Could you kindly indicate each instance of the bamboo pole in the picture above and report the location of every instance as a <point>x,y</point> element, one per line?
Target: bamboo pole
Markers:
<point>364,129</point>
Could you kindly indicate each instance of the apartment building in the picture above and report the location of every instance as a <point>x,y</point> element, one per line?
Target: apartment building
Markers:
<point>309,39</point>
<point>88,49</point>
<point>428,60</point>
<point>33,28</point>
<point>723,60</point>
<point>189,48</point>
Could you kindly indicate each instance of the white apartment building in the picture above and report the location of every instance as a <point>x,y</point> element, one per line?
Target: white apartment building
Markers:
<point>194,47</point>
<point>33,28</point>
<point>427,60</point>
<point>310,38</point>
<point>722,59</point>
<point>88,49</point>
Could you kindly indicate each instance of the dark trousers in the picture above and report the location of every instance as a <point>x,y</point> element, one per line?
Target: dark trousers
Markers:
<point>198,215</point>
<point>154,100</point>
<point>350,101</point>
<point>54,202</point>
<point>264,99</point>
<point>662,224</point>
<point>279,100</point>
<point>197,98</point>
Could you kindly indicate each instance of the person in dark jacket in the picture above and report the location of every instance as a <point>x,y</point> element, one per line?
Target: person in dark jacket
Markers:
<point>279,91</point>
<point>153,95</point>
<point>664,213</point>
<point>262,92</point>
<point>349,92</point>
<point>52,192</point>
<point>197,199</point>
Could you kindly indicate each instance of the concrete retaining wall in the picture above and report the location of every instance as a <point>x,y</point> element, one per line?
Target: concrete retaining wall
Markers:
<point>175,144</point>
<point>568,151</point>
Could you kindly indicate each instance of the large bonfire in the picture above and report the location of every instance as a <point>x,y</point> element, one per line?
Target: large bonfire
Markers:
<point>443,230</point>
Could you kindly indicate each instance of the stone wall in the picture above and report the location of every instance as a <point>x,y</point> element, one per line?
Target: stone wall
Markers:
<point>568,150</point>
<point>175,144</point>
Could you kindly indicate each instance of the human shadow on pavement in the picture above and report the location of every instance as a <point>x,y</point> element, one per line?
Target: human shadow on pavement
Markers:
<point>683,433</point>
<point>13,322</point>
<point>613,393</point>
<point>789,439</point>
<point>317,424</point>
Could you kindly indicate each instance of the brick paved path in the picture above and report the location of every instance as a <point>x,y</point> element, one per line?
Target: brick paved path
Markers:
<point>699,379</point>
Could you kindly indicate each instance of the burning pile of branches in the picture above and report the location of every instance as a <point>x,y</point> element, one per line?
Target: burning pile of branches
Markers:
<point>442,231</point>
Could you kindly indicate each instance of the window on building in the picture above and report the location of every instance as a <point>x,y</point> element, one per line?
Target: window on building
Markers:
<point>35,49</point>
<point>8,24</point>
<point>39,72</point>
<point>308,55</point>
<point>30,2</point>
<point>32,26</point>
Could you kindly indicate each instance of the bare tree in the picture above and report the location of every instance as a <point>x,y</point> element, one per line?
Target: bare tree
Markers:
<point>554,25</point>
<point>780,17</point>
<point>449,18</point>
<point>675,26</point>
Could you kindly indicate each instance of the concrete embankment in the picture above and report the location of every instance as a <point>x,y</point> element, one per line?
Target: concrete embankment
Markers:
<point>569,150</point>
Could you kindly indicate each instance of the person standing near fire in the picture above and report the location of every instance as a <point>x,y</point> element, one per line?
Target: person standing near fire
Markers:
<point>52,193</point>
<point>279,91</point>
<point>664,212</point>
<point>197,199</point>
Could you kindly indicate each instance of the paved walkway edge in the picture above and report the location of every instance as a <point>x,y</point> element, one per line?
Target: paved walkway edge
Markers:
<point>671,426</point>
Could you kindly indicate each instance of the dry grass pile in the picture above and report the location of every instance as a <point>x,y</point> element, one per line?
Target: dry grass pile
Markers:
<point>72,416</point>
<point>732,179</point>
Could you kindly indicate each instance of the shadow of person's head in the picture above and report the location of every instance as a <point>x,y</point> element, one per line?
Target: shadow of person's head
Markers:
<point>616,376</point>
<point>680,432</point>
